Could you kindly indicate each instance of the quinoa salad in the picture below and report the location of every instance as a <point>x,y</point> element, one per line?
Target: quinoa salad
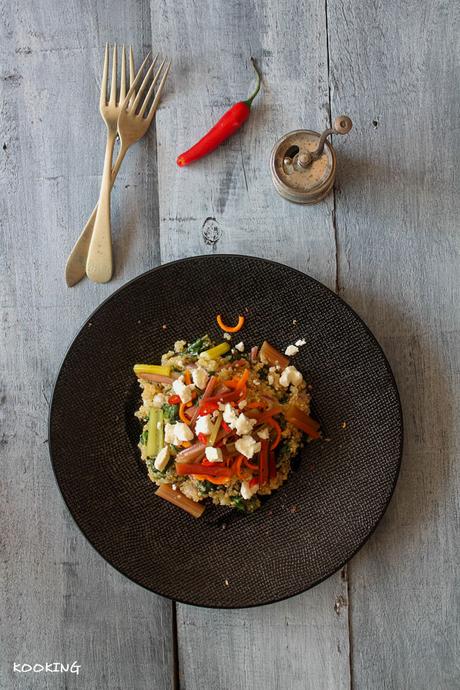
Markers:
<point>222,422</point>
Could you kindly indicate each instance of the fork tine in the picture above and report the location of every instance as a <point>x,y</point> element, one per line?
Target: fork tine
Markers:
<point>113,86</point>
<point>123,76</point>
<point>145,81</point>
<point>156,100</point>
<point>105,70</point>
<point>132,73</point>
<point>132,88</point>
<point>150,91</point>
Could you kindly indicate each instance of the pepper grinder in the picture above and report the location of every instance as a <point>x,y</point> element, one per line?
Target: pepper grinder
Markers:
<point>303,163</point>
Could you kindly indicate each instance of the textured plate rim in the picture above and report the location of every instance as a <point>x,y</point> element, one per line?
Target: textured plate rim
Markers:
<point>357,317</point>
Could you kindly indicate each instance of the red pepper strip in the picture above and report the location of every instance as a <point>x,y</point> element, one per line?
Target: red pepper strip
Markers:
<point>174,400</point>
<point>207,463</point>
<point>207,407</point>
<point>256,405</point>
<point>254,481</point>
<point>203,438</point>
<point>228,124</point>
<point>206,395</point>
<point>193,468</point>
<point>272,465</point>
<point>225,426</point>
<point>250,465</point>
<point>274,424</point>
<point>263,462</point>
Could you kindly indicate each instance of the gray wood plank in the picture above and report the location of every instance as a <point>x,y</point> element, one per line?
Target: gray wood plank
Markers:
<point>394,69</point>
<point>60,601</point>
<point>226,203</point>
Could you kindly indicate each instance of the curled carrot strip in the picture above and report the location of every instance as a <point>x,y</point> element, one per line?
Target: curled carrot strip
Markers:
<point>230,329</point>
<point>187,377</point>
<point>182,414</point>
<point>250,465</point>
<point>236,467</point>
<point>274,424</point>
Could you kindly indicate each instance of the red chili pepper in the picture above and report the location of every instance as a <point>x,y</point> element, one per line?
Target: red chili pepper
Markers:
<point>174,400</point>
<point>228,124</point>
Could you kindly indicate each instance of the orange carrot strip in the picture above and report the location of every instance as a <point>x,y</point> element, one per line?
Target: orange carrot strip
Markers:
<point>212,480</point>
<point>242,380</point>
<point>230,329</point>
<point>256,405</point>
<point>187,377</point>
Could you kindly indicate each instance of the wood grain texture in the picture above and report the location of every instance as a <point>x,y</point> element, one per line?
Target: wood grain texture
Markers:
<point>394,69</point>
<point>59,600</point>
<point>227,203</point>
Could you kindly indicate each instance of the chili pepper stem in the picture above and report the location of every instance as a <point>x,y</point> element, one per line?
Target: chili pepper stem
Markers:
<point>249,100</point>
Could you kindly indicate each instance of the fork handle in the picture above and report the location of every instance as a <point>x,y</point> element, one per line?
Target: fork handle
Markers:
<point>99,264</point>
<point>75,268</point>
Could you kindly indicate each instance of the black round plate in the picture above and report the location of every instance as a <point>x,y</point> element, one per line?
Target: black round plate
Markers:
<point>306,530</point>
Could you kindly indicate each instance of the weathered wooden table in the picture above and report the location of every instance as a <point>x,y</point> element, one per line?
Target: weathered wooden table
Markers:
<point>386,241</point>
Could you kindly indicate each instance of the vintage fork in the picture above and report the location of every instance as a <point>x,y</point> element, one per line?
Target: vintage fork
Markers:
<point>131,127</point>
<point>99,264</point>
<point>75,268</point>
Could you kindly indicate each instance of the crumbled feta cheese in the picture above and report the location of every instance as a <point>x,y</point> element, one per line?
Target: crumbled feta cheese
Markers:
<point>240,346</point>
<point>300,342</point>
<point>184,392</point>
<point>177,433</point>
<point>221,406</point>
<point>248,491</point>
<point>291,350</point>
<point>213,454</point>
<point>244,425</point>
<point>230,415</point>
<point>158,400</point>
<point>291,376</point>
<point>247,446</point>
<point>242,404</point>
<point>264,432</point>
<point>270,380</point>
<point>227,336</point>
<point>256,382</point>
<point>162,459</point>
<point>200,377</point>
<point>179,345</point>
<point>204,425</point>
